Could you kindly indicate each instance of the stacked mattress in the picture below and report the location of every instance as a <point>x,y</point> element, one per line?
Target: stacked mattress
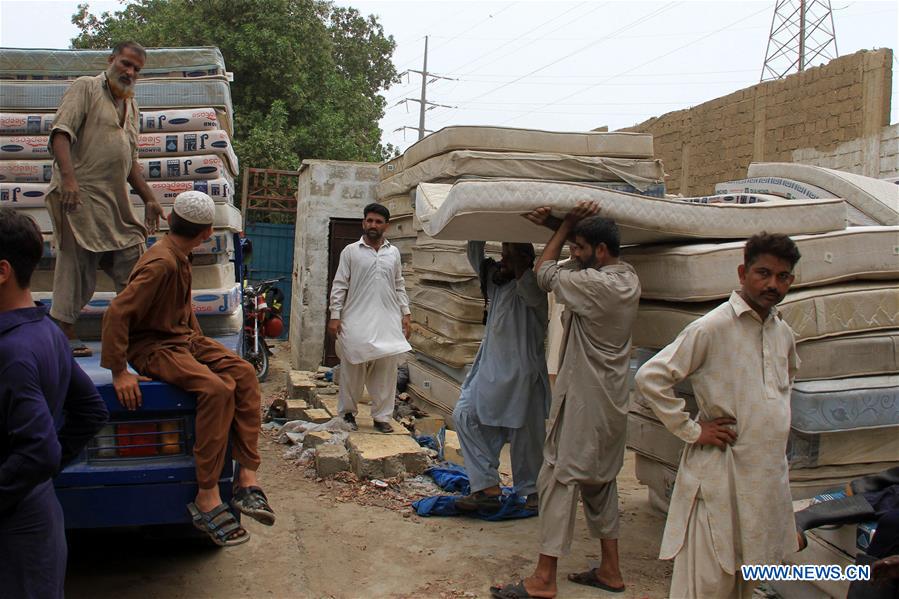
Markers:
<point>446,301</point>
<point>185,121</point>
<point>843,307</point>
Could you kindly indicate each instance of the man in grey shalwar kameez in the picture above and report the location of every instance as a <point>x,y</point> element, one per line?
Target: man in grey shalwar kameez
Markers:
<point>505,396</point>
<point>584,447</point>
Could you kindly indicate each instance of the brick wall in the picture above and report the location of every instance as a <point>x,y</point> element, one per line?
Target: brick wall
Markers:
<point>816,111</point>
<point>853,156</point>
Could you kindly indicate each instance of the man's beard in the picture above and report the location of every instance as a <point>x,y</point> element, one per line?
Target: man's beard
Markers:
<point>119,89</point>
<point>373,234</point>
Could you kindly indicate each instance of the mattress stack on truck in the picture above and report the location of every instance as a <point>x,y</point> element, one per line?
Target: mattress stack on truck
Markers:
<point>184,144</point>
<point>446,300</point>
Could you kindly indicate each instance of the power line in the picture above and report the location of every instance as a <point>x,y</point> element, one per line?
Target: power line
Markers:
<point>631,25</point>
<point>652,60</point>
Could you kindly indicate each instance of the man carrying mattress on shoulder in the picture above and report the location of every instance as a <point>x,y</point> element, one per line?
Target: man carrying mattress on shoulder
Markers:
<point>152,323</point>
<point>731,503</point>
<point>584,448</point>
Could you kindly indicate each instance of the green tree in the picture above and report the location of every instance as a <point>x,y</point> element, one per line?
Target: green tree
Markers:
<point>306,72</point>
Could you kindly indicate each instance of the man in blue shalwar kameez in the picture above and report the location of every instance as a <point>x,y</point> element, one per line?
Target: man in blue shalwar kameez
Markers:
<point>49,410</point>
<point>506,395</point>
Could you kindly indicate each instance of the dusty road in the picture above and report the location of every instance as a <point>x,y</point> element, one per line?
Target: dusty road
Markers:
<point>324,548</point>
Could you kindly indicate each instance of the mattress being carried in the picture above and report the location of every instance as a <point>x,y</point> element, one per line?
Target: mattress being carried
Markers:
<point>813,313</point>
<point>876,198</point>
<point>701,272</point>
<point>50,63</point>
<point>640,174</point>
<point>791,190</point>
<point>492,210</point>
<point>507,139</point>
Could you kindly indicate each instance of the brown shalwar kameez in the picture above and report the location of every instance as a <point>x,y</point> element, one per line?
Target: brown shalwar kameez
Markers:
<point>152,323</point>
<point>584,447</point>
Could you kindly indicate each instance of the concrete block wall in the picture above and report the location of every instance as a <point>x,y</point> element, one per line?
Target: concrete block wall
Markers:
<point>821,108</point>
<point>327,189</point>
<point>851,156</point>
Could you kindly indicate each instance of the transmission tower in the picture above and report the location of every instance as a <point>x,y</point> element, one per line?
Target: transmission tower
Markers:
<point>801,32</point>
<point>424,104</point>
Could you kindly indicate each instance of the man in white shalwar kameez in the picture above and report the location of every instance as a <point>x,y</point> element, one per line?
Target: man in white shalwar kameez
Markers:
<point>584,448</point>
<point>505,396</point>
<point>370,320</point>
<point>731,503</point>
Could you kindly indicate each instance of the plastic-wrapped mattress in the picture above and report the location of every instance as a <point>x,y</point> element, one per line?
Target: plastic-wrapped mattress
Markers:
<point>189,119</point>
<point>210,276</point>
<point>640,174</point>
<point>211,324</point>
<point>813,313</point>
<point>876,198</point>
<point>214,92</point>
<point>47,62</point>
<point>166,168</point>
<point>491,210</point>
<point>701,272</point>
<point>226,217</point>
<point>32,195</point>
<point>205,301</point>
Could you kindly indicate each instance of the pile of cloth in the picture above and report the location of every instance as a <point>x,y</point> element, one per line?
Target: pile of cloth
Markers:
<point>844,309</point>
<point>186,123</point>
<point>446,299</point>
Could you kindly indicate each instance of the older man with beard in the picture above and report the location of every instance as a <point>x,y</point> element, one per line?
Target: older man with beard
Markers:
<point>93,141</point>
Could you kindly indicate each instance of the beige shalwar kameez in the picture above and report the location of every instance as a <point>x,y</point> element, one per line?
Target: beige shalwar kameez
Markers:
<point>584,447</point>
<point>104,231</point>
<point>729,507</point>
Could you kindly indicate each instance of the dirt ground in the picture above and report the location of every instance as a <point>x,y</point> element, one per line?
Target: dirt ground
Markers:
<point>325,546</point>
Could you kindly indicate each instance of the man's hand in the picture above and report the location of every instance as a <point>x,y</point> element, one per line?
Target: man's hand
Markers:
<point>152,214</point>
<point>583,209</point>
<point>407,325</point>
<point>540,216</point>
<point>334,327</point>
<point>717,432</point>
<point>127,388</point>
<point>71,194</point>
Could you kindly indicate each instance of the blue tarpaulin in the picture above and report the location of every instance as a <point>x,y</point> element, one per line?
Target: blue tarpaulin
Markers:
<point>454,479</point>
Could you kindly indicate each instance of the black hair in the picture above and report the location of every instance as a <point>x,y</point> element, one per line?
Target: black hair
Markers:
<point>598,229</point>
<point>377,209</point>
<point>122,46</point>
<point>525,249</point>
<point>184,228</point>
<point>21,244</point>
<point>774,244</point>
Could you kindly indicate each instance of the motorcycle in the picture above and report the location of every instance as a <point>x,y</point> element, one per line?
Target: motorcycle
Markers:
<point>262,318</point>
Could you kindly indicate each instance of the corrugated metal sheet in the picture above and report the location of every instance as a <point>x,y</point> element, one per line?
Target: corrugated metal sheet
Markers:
<point>272,258</point>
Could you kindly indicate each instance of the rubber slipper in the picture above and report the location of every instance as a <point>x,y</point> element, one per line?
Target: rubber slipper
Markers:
<point>219,524</point>
<point>589,579</point>
<point>79,349</point>
<point>253,502</point>
<point>513,590</point>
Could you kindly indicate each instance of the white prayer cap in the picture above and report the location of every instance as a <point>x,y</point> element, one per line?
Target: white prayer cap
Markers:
<point>195,207</point>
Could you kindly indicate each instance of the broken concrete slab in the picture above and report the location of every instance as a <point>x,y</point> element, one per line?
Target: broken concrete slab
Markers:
<point>300,385</point>
<point>294,408</point>
<point>452,449</point>
<point>316,438</point>
<point>331,459</point>
<point>316,415</point>
<point>329,390</point>
<point>367,425</point>
<point>385,456</point>
<point>329,402</point>
<point>429,425</point>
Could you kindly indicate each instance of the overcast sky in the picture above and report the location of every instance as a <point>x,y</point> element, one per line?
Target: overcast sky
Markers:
<point>564,66</point>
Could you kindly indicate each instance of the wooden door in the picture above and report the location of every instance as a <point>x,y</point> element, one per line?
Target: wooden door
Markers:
<point>341,233</point>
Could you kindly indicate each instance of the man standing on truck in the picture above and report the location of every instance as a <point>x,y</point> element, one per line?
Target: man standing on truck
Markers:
<point>370,319</point>
<point>152,325</point>
<point>93,141</point>
<point>49,410</point>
